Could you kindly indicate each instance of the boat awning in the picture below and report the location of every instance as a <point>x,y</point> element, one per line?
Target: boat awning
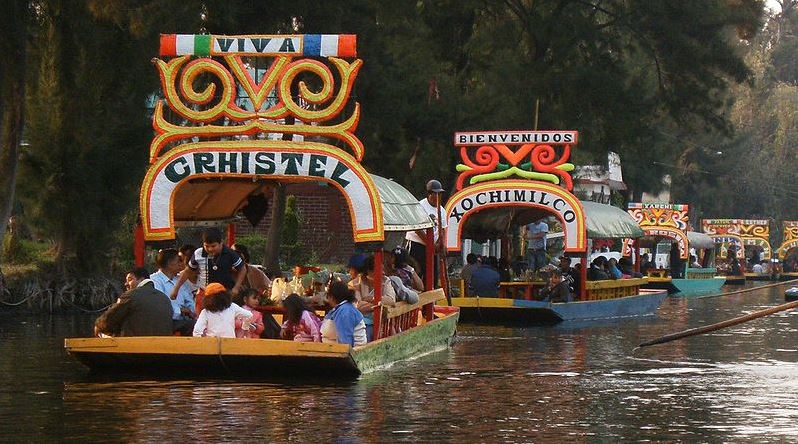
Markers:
<point>219,200</point>
<point>700,241</point>
<point>609,222</point>
<point>400,209</point>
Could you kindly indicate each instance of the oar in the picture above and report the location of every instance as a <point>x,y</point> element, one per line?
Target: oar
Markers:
<point>720,325</point>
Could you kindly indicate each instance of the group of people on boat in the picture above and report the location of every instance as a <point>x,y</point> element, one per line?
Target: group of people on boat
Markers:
<point>214,291</point>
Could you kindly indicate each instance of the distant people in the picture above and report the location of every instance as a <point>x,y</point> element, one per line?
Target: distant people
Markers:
<point>505,274</point>
<point>213,263</point>
<point>255,277</point>
<point>301,323</point>
<point>417,239</point>
<point>409,276</point>
<point>165,279</point>
<point>556,290</point>
<point>758,268</point>
<point>645,264</point>
<point>536,244</point>
<point>364,293</point>
<point>676,262</point>
<point>694,262</point>
<point>140,311</point>
<point>343,324</point>
<point>596,271</point>
<point>254,326</point>
<point>570,275</point>
<point>485,280</point>
<point>218,317</point>
<point>735,269</point>
<point>613,270</point>
<point>625,265</point>
<point>468,268</point>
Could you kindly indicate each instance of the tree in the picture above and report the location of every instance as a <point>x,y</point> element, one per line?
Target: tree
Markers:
<point>13,61</point>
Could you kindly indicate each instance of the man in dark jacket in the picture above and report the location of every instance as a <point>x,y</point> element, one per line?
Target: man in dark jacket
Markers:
<point>141,311</point>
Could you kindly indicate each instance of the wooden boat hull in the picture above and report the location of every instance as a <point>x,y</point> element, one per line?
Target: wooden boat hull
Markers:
<point>788,276</point>
<point>257,358</point>
<point>697,287</point>
<point>496,310</point>
<point>758,277</point>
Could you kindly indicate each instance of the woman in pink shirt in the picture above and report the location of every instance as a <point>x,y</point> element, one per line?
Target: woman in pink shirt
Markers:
<point>301,324</point>
<point>254,324</point>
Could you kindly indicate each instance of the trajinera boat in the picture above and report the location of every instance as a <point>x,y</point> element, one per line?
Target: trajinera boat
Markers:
<point>788,250</point>
<point>729,249</point>
<point>668,224</point>
<point>500,189</point>
<point>215,152</point>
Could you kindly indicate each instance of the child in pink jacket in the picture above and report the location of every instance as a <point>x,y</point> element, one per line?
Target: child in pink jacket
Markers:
<point>301,324</point>
<point>254,325</point>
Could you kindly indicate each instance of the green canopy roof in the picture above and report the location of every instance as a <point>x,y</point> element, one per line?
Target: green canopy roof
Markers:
<point>400,209</point>
<point>609,222</point>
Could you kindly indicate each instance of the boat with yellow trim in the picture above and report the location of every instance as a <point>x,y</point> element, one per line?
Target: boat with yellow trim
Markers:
<point>729,249</point>
<point>501,188</point>
<point>665,223</point>
<point>204,171</point>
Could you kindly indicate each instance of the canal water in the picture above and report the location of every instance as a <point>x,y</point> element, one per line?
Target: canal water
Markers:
<point>575,383</point>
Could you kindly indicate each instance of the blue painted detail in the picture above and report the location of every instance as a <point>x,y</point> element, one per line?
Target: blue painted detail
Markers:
<point>698,287</point>
<point>312,45</point>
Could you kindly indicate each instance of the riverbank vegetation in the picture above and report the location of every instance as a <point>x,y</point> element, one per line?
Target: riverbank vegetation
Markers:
<point>703,91</point>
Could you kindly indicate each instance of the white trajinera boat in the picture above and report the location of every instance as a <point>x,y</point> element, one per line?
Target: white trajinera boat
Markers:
<point>204,172</point>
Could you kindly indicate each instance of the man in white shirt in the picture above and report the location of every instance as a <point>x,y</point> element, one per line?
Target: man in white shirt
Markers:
<point>536,244</point>
<point>432,205</point>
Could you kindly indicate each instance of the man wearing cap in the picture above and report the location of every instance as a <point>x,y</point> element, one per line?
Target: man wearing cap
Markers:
<point>417,239</point>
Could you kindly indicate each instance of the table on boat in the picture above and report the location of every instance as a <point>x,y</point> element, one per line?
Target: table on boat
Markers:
<point>527,289</point>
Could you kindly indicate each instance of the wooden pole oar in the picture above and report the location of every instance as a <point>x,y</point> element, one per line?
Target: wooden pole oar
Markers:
<point>720,325</point>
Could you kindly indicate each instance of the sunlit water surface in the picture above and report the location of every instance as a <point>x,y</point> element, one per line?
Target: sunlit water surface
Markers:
<point>577,383</point>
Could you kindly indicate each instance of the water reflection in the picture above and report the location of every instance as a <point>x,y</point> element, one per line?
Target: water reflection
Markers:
<point>575,383</point>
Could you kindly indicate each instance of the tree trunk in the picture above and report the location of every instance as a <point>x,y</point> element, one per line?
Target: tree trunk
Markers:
<point>271,260</point>
<point>13,32</point>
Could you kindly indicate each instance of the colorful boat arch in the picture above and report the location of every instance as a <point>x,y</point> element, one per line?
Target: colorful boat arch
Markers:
<point>753,232</point>
<point>790,238</point>
<point>519,193</point>
<point>663,220</point>
<point>262,159</point>
<point>230,125</point>
<point>722,240</point>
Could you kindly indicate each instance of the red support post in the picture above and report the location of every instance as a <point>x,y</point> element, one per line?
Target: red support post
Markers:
<point>377,293</point>
<point>138,245</point>
<point>231,234</point>
<point>583,279</point>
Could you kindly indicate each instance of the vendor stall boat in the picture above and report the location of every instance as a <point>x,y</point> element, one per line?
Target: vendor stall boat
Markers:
<point>668,223</point>
<point>203,170</point>
<point>500,188</point>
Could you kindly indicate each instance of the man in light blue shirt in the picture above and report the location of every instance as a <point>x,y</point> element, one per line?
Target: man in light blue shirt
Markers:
<point>165,279</point>
<point>536,244</point>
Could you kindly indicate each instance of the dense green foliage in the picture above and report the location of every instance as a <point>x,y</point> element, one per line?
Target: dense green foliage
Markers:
<point>633,76</point>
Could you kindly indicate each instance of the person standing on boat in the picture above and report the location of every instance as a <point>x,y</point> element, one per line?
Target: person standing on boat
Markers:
<point>536,244</point>
<point>141,311</point>
<point>214,262</point>
<point>417,239</point>
<point>169,266</point>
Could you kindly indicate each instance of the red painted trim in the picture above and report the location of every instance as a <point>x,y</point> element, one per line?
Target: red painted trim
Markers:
<point>231,234</point>
<point>347,45</point>
<point>138,245</point>
<point>168,45</point>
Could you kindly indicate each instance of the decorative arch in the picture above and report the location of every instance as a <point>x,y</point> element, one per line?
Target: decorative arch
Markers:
<point>259,159</point>
<point>671,233</point>
<point>732,239</point>
<point>501,193</point>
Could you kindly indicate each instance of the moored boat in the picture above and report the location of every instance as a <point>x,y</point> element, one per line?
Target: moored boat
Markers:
<point>203,173</point>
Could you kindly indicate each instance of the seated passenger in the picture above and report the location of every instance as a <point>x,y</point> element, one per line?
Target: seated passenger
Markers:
<point>355,267</point>
<point>468,268</point>
<point>344,323</point>
<point>218,318</point>
<point>625,265</point>
<point>758,268</point>
<point>404,271</point>
<point>556,290</point>
<point>613,270</point>
<point>645,264</point>
<point>570,275</point>
<point>364,293</point>
<point>251,299</point>
<point>301,323</point>
<point>485,280</point>
<point>596,271</point>
<point>141,311</point>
